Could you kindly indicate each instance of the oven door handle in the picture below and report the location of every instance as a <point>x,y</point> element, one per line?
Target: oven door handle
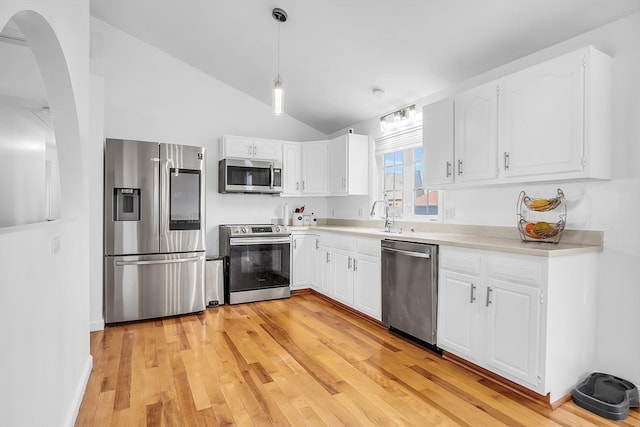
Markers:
<point>247,241</point>
<point>158,261</point>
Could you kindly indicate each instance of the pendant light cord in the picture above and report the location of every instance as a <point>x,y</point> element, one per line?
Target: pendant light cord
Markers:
<point>278,54</point>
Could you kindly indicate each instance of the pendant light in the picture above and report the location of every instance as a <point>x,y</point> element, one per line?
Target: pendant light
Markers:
<point>278,90</point>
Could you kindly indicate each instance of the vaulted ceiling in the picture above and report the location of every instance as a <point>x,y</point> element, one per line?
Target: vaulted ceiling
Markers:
<point>333,53</point>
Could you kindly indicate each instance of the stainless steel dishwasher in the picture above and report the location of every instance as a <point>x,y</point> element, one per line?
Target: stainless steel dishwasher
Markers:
<point>410,289</point>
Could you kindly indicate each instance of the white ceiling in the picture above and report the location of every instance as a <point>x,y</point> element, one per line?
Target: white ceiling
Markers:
<point>334,52</point>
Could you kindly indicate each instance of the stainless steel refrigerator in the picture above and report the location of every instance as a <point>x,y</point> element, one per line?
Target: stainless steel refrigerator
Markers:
<point>154,230</point>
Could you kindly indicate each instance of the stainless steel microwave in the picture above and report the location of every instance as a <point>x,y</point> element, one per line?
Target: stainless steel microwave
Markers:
<point>249,176</point>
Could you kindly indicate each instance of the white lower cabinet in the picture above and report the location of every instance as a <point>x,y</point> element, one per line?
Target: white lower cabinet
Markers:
<point>530,319</point>
<point>303,262</point>
<point>513,330</point>
<point>342,269</point>
<point>348,270</point>
<point>367,285</point>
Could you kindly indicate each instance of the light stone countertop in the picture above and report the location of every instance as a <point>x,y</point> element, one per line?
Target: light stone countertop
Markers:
<point>463,240</point>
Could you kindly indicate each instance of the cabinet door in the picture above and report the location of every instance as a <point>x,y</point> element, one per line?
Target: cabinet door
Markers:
<point>437,143</point>
<point>542,117</point>
<point>314,168</point>
<point>323,269</point>
<point>266,149</point>
<point>458,314</point>
<point>338,166</point>
<point>512,336</point>
<point>476,134</point>
<point>342,278</point>
<point>237,147</point>
<point>367,285</point>
<point>291,169</point>
<point>303,261</point>
<point>357,182</point>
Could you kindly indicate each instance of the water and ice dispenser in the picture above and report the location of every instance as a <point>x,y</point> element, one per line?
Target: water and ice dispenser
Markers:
<point>126,206</point>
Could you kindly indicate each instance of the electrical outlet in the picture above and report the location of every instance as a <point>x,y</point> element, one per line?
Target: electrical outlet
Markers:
<point>450,213</point>
<point>55,245</point>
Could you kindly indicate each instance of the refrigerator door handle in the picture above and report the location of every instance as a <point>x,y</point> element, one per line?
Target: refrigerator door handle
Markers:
<point>156,186</point>
<point>164,198</point>
<point>159,261</point>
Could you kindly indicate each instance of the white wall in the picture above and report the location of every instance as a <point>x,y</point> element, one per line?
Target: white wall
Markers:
<point>44,310</point>
<point>151,96</point>
<point>612,206</point>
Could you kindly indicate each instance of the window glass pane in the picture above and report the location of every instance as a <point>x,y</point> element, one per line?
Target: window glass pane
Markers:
<point>418,175</point>
<point>388,159</point>
<point>417,155</point>
<point>388,179</point>
<point>420,202</point>
<point>399,157</point>
<point>432,202</point>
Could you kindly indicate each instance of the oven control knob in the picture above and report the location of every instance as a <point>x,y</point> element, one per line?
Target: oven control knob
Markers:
<point>277,229</point>
<point>243,229</point>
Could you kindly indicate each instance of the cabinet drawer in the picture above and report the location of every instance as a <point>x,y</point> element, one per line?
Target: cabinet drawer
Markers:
<point>529,270</point>
<point>343,243</point>
<point>369,247</point>
<point>460,260</point>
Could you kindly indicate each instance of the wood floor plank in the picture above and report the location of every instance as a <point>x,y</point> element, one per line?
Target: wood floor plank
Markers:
<point>293,362</point>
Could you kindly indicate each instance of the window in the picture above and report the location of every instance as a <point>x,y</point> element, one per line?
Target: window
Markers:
<point>401,172</point>
<point>393,182</point>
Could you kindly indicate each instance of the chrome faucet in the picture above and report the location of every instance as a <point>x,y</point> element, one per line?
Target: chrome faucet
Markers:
<point>388,222</point>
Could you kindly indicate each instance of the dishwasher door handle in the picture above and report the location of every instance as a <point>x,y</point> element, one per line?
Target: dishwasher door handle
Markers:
<point>408,253</point>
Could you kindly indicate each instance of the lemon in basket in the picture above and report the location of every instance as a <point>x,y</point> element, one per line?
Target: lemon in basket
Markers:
<point>544,229</point>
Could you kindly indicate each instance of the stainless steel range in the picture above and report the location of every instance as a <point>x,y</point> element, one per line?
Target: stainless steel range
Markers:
<point>259,261</point>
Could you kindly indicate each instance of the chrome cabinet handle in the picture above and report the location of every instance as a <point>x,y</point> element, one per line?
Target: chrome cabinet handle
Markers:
<point>355,264</point>
<point>459,167</point>
<point>473,297</point>
<point>349,264</point>
<point>295,244</point>
<point>250,150</point>
<point>297,185</point>
<point>448,169</point>
<point>328,257</point>
<point>317,244</point>
<point>488,301</point>
<point>303,185</point>
<point>506,160</point>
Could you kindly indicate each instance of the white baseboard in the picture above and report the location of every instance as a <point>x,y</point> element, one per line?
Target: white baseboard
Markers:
<point>96,325</point>
<point>74,408</point>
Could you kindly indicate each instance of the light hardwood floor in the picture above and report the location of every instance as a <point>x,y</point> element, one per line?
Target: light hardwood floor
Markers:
<point>293,362</point>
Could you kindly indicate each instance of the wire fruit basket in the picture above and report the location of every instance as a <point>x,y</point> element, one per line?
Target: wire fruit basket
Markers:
<point>541,220</point>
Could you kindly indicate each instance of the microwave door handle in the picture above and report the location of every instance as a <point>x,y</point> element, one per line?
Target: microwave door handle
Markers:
<point>272,176</point>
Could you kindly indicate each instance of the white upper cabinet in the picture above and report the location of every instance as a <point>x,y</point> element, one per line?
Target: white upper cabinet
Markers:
<point>554,118</point>
<point>551,121</point>
<point>349,165</point>
<point>437,142</point>
<point>291,168</point>
<point>241,147</point>
<point>314,168</point>
<point>476,134</point>
<point>304,169</point>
